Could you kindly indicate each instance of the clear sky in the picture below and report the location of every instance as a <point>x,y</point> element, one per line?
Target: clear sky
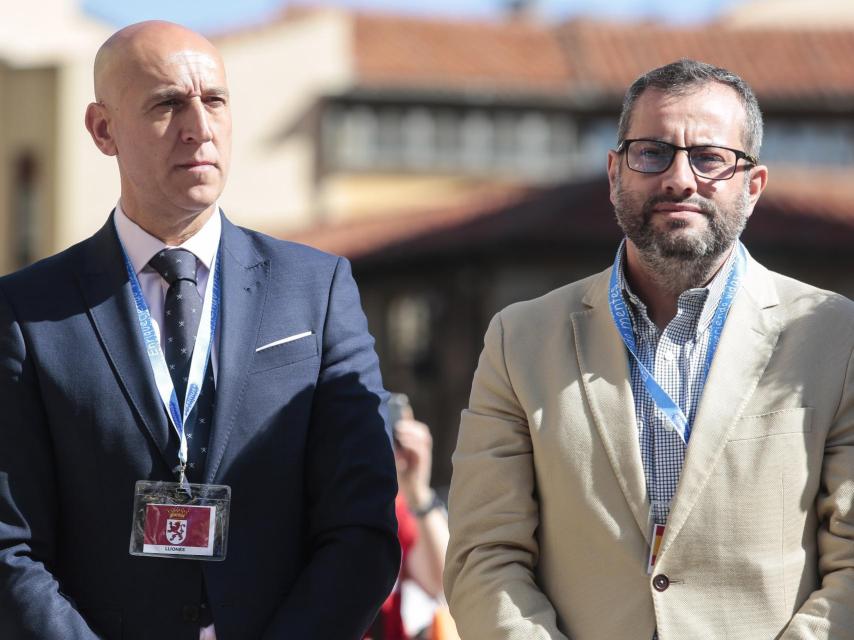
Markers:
<point>218,15</point>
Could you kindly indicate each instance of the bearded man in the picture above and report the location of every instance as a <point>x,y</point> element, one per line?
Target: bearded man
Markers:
<point>664,449</point>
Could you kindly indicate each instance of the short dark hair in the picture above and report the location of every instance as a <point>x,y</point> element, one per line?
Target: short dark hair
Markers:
<point>682,77</point>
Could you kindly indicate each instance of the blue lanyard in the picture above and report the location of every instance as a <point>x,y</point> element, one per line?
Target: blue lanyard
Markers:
<point>198,362</point>
<point>622,319</point>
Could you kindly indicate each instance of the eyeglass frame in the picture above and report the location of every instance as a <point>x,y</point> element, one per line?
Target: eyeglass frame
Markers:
<point>739,155</point>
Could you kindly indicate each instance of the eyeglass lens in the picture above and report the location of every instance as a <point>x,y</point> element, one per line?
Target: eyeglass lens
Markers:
<point>649,156</point>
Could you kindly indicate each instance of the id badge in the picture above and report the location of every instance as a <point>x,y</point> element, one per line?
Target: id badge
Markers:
<point>654,549</point>
<point>187,521</point>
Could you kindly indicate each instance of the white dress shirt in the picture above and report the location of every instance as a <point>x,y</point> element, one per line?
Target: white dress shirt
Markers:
<point>141,247</point>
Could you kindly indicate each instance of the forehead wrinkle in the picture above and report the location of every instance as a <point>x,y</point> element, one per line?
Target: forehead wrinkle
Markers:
<point>151,48</point>
<point>196,71</point>
<point>702,126</point>
<point>193,58</point>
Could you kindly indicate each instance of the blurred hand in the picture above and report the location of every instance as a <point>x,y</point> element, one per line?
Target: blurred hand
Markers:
<point>413,454</point>
<point>208,633</point>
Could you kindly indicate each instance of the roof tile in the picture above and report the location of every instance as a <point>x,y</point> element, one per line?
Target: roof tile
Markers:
<point>800,209</point>
<point>594,57</point>
<point>422,52</point>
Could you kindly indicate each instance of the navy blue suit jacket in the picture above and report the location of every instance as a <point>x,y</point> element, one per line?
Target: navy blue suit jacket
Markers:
<point>299,434</point>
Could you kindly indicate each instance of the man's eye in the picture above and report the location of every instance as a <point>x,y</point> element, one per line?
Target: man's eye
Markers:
<point>169,104</point>
<point>709,158</point>
<point>651,152</point>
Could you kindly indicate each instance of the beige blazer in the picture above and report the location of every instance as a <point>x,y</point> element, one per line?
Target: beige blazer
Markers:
<point>549,515</point>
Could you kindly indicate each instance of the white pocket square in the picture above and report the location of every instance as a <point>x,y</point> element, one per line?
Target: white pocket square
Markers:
<point>276,343</point>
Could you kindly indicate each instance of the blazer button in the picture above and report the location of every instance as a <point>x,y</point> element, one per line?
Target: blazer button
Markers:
<point>190,613</point>
<point>660,582</point>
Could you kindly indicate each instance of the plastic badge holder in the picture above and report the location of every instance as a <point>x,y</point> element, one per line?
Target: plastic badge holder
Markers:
<point>187,521</point>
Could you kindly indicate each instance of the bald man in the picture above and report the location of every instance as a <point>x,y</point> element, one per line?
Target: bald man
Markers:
<point>175,347</point>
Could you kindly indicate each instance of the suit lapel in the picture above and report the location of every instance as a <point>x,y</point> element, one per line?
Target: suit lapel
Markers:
<point>244,288</point>
<point>104,285</point>
<point>604,369</point>
<point>746,345</point>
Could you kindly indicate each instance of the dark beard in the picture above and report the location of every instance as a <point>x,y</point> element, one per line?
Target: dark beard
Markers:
<point>679,262</point>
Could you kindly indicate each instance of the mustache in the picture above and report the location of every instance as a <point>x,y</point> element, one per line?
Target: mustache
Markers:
<point>706,207</point>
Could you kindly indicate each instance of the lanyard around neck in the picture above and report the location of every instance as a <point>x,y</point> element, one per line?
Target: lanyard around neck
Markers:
<point>622,319</point>
<point>198,362</point>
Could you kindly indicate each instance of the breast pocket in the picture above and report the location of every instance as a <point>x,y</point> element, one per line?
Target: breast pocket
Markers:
<point>773,423</point>
<point>285,353</point>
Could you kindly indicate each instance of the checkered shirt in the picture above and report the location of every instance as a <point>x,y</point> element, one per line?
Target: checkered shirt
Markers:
<point>675,357</point>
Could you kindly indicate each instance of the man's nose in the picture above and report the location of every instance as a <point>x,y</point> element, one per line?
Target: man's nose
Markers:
<point>196,126</point>
<point>679,178</point>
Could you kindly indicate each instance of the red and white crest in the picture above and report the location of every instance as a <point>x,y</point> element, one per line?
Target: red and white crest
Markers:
<point>176,531</point>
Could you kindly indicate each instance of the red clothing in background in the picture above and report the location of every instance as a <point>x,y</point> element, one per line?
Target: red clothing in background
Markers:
<point>390,620</point>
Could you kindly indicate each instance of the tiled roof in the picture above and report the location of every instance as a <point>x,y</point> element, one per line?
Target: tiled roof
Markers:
<point>779,64</point>
<point>797,211</point>
<point>582,58</point>
<point>393,50</point>
<point>592,58</point>
<point>367,236</point>
<point>806,209</point>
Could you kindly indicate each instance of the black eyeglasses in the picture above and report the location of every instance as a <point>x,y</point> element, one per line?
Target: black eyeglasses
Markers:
<point>655,156</point>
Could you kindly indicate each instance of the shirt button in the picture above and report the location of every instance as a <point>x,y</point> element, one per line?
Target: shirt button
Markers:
<point>190,613</point>
<point>669,355</point>
<point>660,582</point>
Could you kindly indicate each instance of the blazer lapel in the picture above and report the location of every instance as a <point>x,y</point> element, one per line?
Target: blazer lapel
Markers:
<point>104,285</point>
<point>604,369</point>
<point>244,288</point>
<point>746,345</point>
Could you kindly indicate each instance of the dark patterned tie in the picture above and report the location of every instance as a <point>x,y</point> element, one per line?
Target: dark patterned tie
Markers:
<point>182,311</point>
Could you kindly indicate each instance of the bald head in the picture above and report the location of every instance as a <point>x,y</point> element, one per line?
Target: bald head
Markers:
<point>163,110</point>
<point>125,53</point>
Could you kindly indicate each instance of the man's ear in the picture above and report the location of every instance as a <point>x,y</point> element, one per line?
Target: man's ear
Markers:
<point>613,168</point>
<point>98,125</point>
<point>756,182</point>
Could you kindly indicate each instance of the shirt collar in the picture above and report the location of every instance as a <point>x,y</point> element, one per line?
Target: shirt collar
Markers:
<point>710,294</point>
<point>141,246</point>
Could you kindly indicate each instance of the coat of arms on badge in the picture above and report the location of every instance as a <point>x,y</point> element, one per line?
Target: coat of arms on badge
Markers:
<point>172,529</point>
<point>172,520</point>
<point>176,531</point>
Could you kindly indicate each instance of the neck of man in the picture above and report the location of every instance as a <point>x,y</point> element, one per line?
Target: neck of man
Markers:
<point>658,281</point>
<point>171,230</point>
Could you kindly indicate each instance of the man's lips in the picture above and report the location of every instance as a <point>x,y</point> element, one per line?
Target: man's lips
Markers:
<point>676,207</point>
<point>198,166</point>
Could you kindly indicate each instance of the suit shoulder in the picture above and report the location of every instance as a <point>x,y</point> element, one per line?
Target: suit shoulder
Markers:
<point>560,302</point>
<point>791,290</point>
<point>825,311</point>
<point>48,271</point>
<point>288,250</point>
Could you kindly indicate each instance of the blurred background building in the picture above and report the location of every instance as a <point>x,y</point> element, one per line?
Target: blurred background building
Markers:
<point>459,163</point>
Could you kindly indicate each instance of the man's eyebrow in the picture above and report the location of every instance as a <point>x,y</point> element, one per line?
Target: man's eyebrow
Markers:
<point>176,93</point>
<point>161,95</point>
